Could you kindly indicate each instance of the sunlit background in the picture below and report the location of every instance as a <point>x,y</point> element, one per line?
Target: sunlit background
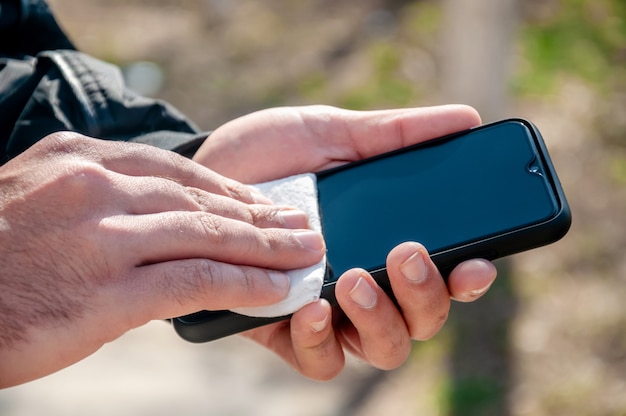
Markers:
<point>548,339</point>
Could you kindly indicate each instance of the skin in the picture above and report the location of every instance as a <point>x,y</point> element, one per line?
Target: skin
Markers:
<point>100,237</point>
<point>279,142</point>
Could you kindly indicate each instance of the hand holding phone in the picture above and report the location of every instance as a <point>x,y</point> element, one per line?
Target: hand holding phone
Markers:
<point>487,192</point>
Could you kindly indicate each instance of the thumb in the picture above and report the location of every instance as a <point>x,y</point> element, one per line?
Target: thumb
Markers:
<point>280,142</point>
<point>181,287</point>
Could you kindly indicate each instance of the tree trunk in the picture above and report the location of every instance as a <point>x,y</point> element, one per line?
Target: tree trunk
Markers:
<point>477,48</point>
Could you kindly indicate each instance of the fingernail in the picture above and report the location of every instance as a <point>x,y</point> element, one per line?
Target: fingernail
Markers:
<point>479,292</point>
<point>280,280</point>
<point>319,326</point>
<point>363,294</point>
<point>413,269</point>
<point>293,218</point>
<point>310,239</point>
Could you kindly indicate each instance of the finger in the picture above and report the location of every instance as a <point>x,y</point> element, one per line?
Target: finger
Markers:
<point>371,133</point>
<point>306,341</point>
<point>378,333</point>
<point>261,215</point>
<point>136,159</point>
<point>471,279</point>
<point>419,288</point>
<point>317,352</point>
<point>149,195</point>
<point>319,137</point>
<point>176,288</point>
<point>152,238</point>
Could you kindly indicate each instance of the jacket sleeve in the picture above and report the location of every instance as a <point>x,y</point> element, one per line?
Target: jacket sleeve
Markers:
<point>44,89</point>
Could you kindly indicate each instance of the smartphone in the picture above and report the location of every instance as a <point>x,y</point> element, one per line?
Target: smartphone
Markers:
<point>487,192</point>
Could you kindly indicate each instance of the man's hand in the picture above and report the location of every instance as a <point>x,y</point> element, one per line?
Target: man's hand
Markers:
<point>100,237</point>
<point>276,143</point>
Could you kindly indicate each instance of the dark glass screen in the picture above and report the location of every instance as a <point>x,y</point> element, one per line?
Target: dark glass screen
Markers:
<point>445,194</point>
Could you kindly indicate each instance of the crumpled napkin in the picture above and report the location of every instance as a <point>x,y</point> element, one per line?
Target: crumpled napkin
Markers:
<point>299,191</point>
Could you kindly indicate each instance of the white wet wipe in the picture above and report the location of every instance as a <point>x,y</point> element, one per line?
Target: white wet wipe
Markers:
<point>299,191</point>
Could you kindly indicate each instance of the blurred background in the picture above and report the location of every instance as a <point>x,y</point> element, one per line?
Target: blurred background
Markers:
<point>548,339</point>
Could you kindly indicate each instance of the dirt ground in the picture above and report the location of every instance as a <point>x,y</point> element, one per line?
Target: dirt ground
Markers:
<point>550,337</point>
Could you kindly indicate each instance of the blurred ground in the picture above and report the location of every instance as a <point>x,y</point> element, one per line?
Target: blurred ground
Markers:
<point>549,339</point>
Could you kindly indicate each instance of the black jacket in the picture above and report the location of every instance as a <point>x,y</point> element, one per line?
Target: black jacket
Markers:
<point>48,86</point>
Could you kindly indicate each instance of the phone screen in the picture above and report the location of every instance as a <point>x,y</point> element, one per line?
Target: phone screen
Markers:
<point>443,194</point>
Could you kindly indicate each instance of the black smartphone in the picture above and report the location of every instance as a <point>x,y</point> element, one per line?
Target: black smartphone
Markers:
<point>487,192</point>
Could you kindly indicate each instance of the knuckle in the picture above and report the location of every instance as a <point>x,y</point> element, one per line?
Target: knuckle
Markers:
<point>425,332</point>
<point>216,280</point>
<point>85,175</point>
<point>199,277</point>
<point>64,142</point>
<point>69,192</point>
<point>207,277</point>
<point>213,229</point>
<point>275,240</point>
<point>395,352</point>
<point>262,216</point>
<point>202,198</point>
<point>250,278</point>
<point>81,183</point>
<point>322,372</point>
<point>237,191</point>
<point>248,214</point>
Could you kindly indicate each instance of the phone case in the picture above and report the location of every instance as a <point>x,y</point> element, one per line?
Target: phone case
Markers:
<point>206,326</point>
